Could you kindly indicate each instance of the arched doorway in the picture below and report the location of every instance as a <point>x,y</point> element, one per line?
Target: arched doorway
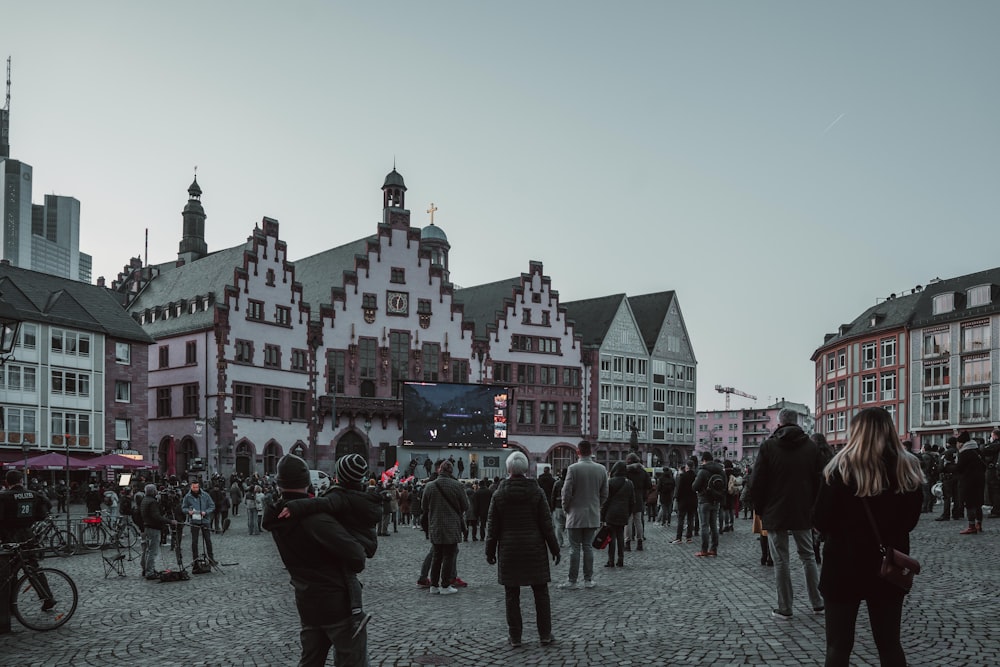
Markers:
<point>675,457</point>
<point>186,454</point>
<point>352,442</point>
<point>561,458</point>
<point>244,458</point>
<point>272,452</point>
<point>657,457</point>
<point>166,455</point>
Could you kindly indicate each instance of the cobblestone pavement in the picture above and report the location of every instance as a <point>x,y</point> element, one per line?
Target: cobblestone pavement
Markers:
<point>666,607</point>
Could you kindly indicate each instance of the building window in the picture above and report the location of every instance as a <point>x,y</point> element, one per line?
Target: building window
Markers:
<point>979,295</point>
<point>841,421</point>
<point>28,338</point>
<point>70,383</point>
<point>72,424</point>
<point>269,278</point>
<point>335,371</point>
<point>459,370</point>
<point>123,353</point>
<point>831,392</point>
<point>842,359</point>
<point>164,356</point>
<point>976,337</point>
<point>545,318</point>
<point>868,354</point>
<point>888,351</point>
<point>976,370</point>
<point>191,400</point>
<point>501,372</point>
<point>831,362</point>
<point>526,374</point>
<point>944,303</point>
<point>571,414</point>
<point>18,378</point>
<point>617,363</point>
<point>841,390</point>
<point>70,342</point>
<point>298,404</point>
<point>431,353</point>
<point>935,408</point>
<point>937,343</point>
<point>526,316</point>
<point>399,359</point>
<point>525,412</point>
<point>976,405</point>
<point>299,360</point>
<point>272,402</point>
<point>244,352</point>
<point>367,350</point>
<point>163,402</point>
<point>888,389</point>
<point>123,391</point>
<point>20,426</point>
<point>831,422</point>
<point>255,310</point>
<point>123,430</point>
<point>547,413</point>
<point>272,356</point>
<point>191,352</point>
<point>571,377</point>
<point>397,275</point>
<point>937,375</point>
<point>242,399</point>
<point>283,315</point>
<point>868,388</point>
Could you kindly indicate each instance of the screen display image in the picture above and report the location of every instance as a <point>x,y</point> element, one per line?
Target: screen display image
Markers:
<point>454,415</point>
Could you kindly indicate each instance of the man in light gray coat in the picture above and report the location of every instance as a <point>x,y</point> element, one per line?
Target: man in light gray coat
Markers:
<point>583,494</point>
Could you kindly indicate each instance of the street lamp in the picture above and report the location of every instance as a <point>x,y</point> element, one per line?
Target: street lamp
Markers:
<point>10,326</point>
<point>154,460</point>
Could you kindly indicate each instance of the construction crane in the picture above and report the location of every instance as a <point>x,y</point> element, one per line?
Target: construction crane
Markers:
<point>728,391</point>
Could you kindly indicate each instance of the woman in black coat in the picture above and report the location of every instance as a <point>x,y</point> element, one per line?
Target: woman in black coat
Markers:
<point>616,511</point>
<point>873,469</point>
<point>971,472</point>
<point>519,530</point>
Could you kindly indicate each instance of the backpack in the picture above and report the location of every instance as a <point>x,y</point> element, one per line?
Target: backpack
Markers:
<point>715,490</point>
<point>732,488</point>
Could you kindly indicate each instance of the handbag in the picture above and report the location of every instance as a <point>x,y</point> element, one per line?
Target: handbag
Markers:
<point>897,568</point>
<point>603,537</point>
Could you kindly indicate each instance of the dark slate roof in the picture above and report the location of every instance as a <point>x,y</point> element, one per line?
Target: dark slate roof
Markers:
<point>924,315</point>
<point>323,271</point>
<point>483,304</point>
<point>650,310</point>
<point>592,318</point>
<point>891,314</point>
<point>208,274</point>
<point>41,297</point>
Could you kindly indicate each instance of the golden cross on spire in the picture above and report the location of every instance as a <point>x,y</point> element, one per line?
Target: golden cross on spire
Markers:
<point>431,211</point>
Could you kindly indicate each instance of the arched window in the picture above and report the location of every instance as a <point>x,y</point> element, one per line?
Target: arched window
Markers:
<point>244,458</point>
<point>562,457</point>
<point>272,452</point>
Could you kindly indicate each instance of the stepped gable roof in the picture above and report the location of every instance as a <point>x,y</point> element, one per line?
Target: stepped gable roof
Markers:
<point>209,274</point>
<point>924,315</point>
<point>320,273</point>
<point>592,318</point>
<point>650,310</point>
<point>889,314</point>
<point>483,304</point>
<point>41,297</point>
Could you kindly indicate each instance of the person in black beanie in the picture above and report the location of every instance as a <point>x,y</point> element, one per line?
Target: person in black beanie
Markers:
<point>322,559</point>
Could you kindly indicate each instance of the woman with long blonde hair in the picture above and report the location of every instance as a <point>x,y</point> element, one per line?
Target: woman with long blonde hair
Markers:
<point>872,469</point>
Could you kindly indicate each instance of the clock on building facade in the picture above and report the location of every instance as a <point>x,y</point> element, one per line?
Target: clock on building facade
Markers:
<point>397,303</point>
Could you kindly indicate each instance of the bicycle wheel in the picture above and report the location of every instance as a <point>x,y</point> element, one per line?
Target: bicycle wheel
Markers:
<point>63,543</point>
<point>28,602</point>
<point>128,536</point>
<point>93,536</point>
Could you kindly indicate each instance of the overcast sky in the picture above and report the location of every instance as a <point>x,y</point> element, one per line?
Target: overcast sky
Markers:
<point>781,165</point>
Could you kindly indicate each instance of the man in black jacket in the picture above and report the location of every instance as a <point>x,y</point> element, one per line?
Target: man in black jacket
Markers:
<point>153,523</point>
<point>641,484</point>
<point>320,555</point>
<point>710,485</point>
<point>687,501</point>
<point>784,486</point>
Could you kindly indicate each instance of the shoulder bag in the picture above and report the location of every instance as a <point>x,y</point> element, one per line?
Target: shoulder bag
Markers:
<point>897,568</point>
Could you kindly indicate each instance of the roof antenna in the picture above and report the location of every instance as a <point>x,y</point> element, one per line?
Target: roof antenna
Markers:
<point>6,104</point>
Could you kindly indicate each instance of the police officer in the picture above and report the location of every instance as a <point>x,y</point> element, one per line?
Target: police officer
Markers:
<point>20,508</point>
<point>991,453</point>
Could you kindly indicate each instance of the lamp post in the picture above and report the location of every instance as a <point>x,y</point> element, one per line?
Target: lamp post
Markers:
<point>10,327</point>
<point>25,449</point>
<point>368,439</point>
<point>153,459</point>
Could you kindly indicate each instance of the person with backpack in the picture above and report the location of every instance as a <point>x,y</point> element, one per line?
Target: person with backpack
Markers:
<point>971,472</point>
<point>710,485</point>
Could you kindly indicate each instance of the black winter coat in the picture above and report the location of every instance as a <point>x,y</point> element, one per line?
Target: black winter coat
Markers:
<point>481,501</point>
<point>641,483</point>
<point>519,533</point>
<point>786,479</point>
<point>971,473</point>
<point>851,557</point>
<point>685,493</point>
<point>621,502</point>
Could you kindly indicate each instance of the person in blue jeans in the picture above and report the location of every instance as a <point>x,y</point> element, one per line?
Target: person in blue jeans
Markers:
<point>708,503</point>
<point>583,494</point>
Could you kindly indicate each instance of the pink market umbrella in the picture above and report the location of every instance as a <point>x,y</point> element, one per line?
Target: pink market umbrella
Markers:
<point>54,461</point>
<point>116,461</point>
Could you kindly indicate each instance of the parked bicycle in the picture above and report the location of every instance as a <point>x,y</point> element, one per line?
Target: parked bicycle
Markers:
<point>60,541</point>
<point>99,533</point>
<point>41,598</point>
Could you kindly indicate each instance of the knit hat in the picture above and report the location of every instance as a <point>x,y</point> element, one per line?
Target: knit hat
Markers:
<point>445,468</point>
<point>293,472</point>
<point>351,468</point>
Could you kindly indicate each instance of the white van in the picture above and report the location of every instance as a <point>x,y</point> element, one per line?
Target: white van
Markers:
<point>320,481</point>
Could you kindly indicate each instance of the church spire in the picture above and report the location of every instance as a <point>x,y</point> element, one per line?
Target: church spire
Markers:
<point>193,246</point>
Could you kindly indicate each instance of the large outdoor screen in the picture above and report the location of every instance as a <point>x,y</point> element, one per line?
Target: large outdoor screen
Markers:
<point>454,415</point>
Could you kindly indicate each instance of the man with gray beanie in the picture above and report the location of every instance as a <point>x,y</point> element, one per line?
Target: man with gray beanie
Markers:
<point>784,485</point>
<point>322,559</point>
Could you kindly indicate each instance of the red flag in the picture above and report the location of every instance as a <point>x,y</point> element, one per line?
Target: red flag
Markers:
<point>390,473</point>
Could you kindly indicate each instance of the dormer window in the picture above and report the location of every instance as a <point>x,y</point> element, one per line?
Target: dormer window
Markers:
<point>980,295</point>
<point>944,303</point>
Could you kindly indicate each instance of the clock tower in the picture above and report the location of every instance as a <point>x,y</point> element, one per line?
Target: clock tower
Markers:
<point>193,246</point>
<point>394,211</point>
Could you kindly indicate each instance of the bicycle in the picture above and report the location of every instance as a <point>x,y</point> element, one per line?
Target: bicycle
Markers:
<point>41,598</point>
<point>97,534</point>
<point>60,541</point>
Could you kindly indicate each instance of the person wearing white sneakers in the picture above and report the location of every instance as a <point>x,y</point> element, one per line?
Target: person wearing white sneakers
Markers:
<point>583,494</point>
<point>445,503</point>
